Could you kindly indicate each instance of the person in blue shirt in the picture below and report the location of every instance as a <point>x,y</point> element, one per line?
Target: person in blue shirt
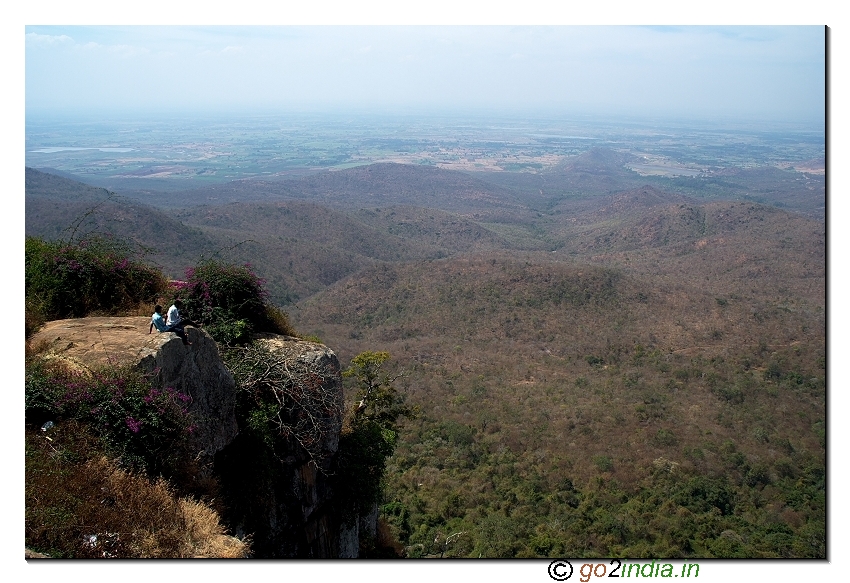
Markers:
<point>158,322</point>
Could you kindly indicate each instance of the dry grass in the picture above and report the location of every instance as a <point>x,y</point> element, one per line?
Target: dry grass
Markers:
<point>34,348</point>
<point>206,536</point>
<point>279,321</point>
<point>94,509</point>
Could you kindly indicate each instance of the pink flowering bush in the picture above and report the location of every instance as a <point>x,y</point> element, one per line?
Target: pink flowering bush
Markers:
<point>231,301</point>
<point>145,427</point>
<point>72,280</point>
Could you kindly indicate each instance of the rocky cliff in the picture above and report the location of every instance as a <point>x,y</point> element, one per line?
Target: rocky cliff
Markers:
<point>284,501</point>
<point>194,370</point>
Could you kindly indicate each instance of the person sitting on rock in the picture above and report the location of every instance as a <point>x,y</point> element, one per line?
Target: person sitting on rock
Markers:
<point>175,319</point>
<point>158,322</point>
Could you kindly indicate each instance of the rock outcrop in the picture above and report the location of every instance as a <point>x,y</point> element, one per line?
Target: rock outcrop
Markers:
<point>283,500</point>
<point>286,499</point>
<point>194,370</point>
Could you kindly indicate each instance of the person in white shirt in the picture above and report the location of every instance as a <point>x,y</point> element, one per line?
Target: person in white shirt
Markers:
<point>175,321</point>
<point>158,322</point>
<point>174,313</point>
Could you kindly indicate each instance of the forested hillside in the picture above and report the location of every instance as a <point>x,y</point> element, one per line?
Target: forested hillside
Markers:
<point>606,364</point>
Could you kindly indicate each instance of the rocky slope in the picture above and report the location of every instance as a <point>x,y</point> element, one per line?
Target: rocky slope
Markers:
<point>287,507</point>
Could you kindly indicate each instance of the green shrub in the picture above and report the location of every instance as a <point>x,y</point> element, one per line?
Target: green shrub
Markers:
<point>603,462</point>
<point>144,427</point>
<point>231,301</point>
<point>369,434</point>
<point>665,437</point>
<point>361,462</point>
<point>757,474</point>
<point>702,493</point>
<point>773,371</point>
<point>730,393</point>
<point>594,360</point>
<point>397,514</point>
<point>78,279</point>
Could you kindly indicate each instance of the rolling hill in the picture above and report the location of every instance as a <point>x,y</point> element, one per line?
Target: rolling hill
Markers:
<point>544,383</point>
<point>376,185</point>
<point>60,208</point>
<point>612,368</point>
<point>604,172</point>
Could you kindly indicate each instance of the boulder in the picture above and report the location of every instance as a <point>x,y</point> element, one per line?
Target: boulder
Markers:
<point>315,364</point>
<point>195,370</point>
<point>285,501</point>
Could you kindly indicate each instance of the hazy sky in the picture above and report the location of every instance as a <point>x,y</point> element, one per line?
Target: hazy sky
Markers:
<point>753,72</point>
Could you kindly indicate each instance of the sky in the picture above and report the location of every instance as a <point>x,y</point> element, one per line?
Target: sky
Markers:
<point>710,72</point>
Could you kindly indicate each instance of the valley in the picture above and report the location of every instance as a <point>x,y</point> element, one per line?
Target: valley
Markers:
<point>617,345</point>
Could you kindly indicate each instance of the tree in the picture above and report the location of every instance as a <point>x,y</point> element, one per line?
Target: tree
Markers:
<point>377,399</point>
<point>369,434</point>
